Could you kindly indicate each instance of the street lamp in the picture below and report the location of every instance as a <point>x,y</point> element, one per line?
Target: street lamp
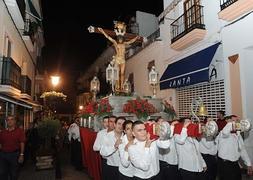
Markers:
<point>112,74</point>
<point>81,107</point>
<point>94,87</point>
<point>55,80</point>
<point>153,80</point>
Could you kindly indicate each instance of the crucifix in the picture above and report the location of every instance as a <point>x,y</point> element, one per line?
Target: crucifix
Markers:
<point>120,39</point>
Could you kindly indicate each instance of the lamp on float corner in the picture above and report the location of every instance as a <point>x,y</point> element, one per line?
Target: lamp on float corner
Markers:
<point>94,87</point>
<point>153,80</point>
<point>112,74</point>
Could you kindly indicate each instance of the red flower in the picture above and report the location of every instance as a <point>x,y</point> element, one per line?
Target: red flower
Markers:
<point>140,107</point>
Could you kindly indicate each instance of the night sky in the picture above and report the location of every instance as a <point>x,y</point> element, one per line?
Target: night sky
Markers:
<point>69,48</point>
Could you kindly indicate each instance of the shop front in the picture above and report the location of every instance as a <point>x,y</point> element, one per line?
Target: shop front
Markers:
<point>198,75</point>
<point>21,110</point>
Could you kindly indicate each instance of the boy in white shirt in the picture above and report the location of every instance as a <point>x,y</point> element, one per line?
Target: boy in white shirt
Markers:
<point>190,162</point>
<point>109,149</point>
<point>126,169</point>
<point>99,139</point>
<point>230,149</point>
<point>144,154</point>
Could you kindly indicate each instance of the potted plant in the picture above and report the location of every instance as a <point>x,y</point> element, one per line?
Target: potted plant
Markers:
<point>47,130</point>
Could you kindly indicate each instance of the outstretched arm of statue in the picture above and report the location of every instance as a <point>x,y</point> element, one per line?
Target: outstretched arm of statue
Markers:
<point>132,40</point>
<point>107,36</point>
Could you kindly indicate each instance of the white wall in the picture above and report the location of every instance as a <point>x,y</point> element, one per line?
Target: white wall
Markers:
<point>147,22</point>
<point>19,51</point>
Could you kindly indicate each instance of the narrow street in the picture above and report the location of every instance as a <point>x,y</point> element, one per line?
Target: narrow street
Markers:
<point>29,172</point>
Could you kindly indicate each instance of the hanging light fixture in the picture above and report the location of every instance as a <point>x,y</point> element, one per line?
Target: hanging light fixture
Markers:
<point>112,73</point>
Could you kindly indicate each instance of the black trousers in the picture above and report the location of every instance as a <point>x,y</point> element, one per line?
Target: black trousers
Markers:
<point>103,168</point>
<point>169,172</point>
<point>157,177</point>
<point>112,172</point>
<point>188,175</point>
<point>228,170</point>
<point>123,177</point>
<point>211,162</point>
<point>76,154</point>
<point>9,165</point>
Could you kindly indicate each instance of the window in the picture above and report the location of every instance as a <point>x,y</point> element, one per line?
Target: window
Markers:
<point>212,94</point>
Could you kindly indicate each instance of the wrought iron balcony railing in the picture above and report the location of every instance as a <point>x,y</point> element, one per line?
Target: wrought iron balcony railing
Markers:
<point>11,73</point>
<point>225,3</point>
<point>191,19</point>
<point>26,84</point>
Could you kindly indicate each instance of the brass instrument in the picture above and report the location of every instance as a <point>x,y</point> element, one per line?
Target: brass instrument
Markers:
<point>198,109</point>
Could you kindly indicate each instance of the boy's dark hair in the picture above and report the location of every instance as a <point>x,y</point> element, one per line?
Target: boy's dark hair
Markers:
<point>221,112</point>
<point>137,123</point>
<point>120,117</point>
<point>126,123</point>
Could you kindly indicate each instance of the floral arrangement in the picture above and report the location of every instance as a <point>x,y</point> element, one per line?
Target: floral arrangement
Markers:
<point>104,107</point>
<point>100,108</point>
<point>169,109</point>
<point>140,107</point>
<point>53,94</point>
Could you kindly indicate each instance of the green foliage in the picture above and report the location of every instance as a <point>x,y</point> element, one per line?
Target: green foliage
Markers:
<point>48,128</point>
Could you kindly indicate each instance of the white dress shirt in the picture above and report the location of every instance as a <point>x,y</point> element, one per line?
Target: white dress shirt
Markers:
<point>169,155</point>
<point>207,145</point>
<point>125,167</point>
<point>98,142</point>
<point>108,150</point>
<point>231,146</point>
<point>146,160</point>
<point>189,157</point>
<point>73,132</point>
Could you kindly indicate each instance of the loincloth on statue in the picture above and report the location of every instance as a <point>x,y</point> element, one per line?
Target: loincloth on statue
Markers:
<point>120,60</point>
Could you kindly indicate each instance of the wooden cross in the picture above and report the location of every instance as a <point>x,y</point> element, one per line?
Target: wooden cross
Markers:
<point>127,36</point>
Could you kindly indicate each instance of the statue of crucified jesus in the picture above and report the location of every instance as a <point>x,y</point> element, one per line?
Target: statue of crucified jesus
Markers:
<point>120,48</point>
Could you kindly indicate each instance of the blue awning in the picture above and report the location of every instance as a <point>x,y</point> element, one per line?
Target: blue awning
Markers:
<point>190,70</point>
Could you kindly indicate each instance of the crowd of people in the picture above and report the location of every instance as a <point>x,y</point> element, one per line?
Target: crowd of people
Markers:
<point>129,152</point>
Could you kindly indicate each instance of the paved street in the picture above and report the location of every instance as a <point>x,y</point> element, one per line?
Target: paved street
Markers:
<point>28,172</point>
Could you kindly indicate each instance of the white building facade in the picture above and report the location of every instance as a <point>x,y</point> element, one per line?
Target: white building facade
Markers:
<point>21,40</point>
<point>205,49</point>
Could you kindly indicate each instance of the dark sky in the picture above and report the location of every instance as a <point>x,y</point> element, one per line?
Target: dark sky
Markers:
<point>69,48</point>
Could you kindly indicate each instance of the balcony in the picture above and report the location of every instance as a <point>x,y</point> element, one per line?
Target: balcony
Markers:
<point>17,11</point>
<point>232,9</point>
<point>26,85</point>
<point>188,29</point>
<point>10,80</point>
<point>28,34</point>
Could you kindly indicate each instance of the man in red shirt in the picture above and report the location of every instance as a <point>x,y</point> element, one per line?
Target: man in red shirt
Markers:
<point>12,145</point>
<point>221,122</point>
